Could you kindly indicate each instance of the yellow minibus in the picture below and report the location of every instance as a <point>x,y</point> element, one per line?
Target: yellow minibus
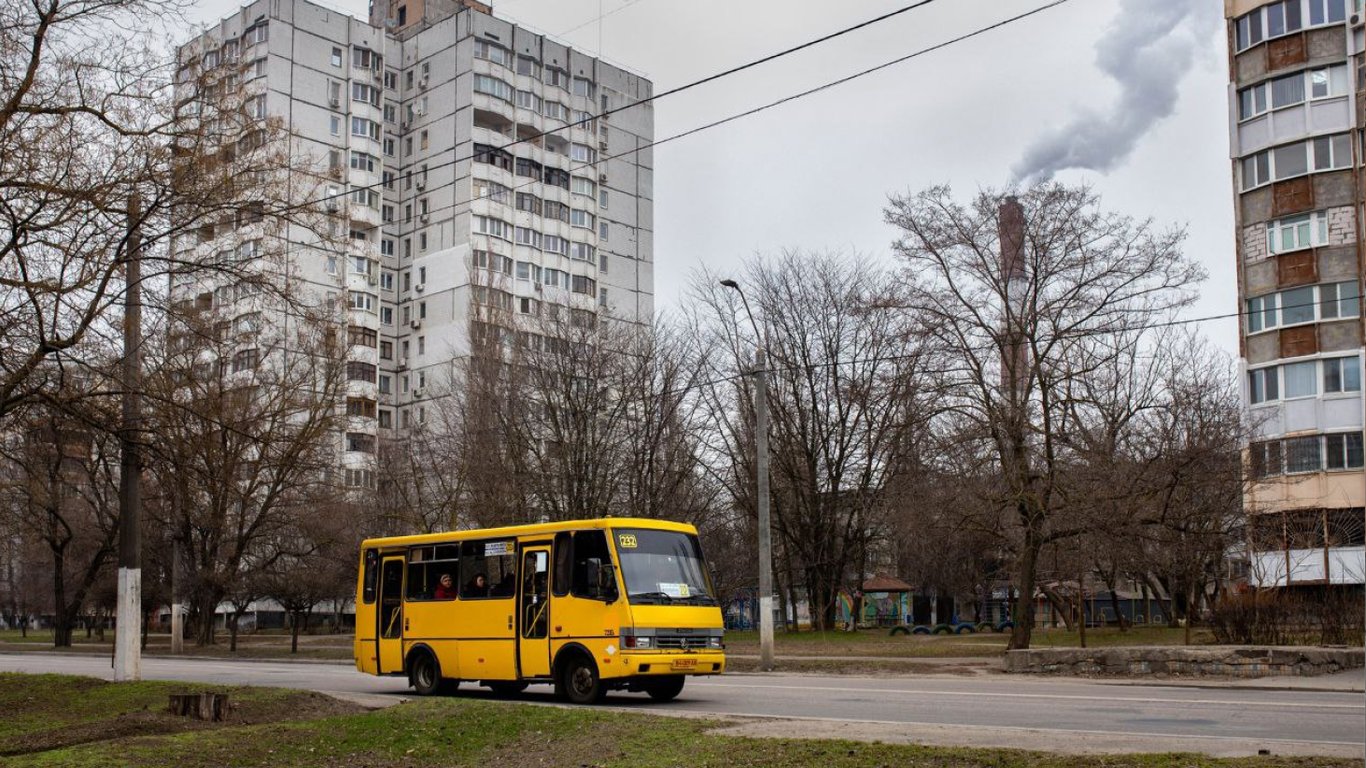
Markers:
<point>588,606</point>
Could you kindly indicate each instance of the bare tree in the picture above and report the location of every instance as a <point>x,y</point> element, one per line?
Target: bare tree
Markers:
<point>248,423</point>
<point>62,479</point>
<point>1019,300</point>
<point>844,401</point>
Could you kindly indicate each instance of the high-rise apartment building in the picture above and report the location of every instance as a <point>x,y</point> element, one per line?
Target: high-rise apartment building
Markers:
<point>460,159</point>
<point>1296,97</point>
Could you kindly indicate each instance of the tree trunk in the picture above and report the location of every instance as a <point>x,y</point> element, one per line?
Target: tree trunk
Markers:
<point>206,605</point>
<point>1061,607</point>
<point>294,633</point>
<point>62,621</point>
<point>1024,617</point>
<point>233,618</point>
<point>1111,583</point>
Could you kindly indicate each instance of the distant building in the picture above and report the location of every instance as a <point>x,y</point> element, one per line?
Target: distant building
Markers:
<point>1296,68</point>
<point>406,119</point>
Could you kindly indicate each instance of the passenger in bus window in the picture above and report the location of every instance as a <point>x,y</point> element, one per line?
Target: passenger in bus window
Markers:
<point>478,586</point>
<point>444,588</point>
<point>505,587</point>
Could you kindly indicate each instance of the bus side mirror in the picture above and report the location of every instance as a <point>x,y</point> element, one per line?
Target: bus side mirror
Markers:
<point>607,584</point>
<point>602,577</point>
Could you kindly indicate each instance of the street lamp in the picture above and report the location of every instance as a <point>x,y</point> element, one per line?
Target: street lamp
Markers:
<point>761,480</point>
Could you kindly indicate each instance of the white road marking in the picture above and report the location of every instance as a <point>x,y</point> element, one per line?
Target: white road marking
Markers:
<point>1057,696</point>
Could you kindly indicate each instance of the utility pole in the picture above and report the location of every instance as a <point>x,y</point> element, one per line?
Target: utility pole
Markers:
<point>760,372</point>
<point>177,620</point>
<point>127,637</point>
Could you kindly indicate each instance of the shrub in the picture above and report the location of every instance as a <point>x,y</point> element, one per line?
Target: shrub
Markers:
<point>1279,617</point>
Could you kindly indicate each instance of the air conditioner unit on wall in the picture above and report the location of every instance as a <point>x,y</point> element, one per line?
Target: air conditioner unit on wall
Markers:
<point>416,323</point>
<point>417,393</point>
<point>419,287</point>
<point>402,362</point>
<point>421,183</point>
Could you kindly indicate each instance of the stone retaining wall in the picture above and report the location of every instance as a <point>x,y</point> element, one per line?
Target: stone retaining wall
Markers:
<point>1209,660</point>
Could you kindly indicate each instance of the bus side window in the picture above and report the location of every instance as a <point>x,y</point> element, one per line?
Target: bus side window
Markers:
<point>371,576</point>
<point>487,569</point>
<point>426,566</point>
<point>590,555</point>
<point>564,554</point>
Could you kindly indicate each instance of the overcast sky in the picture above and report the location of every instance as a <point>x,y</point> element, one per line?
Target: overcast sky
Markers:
<point>1069,85</point>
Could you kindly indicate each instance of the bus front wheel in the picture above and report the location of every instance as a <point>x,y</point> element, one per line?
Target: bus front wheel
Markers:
<point>665,688</point>
<point>579,681</point>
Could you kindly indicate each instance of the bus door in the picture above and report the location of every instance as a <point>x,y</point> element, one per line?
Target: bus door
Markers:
<point>389,633</point>
<point>533,608</point>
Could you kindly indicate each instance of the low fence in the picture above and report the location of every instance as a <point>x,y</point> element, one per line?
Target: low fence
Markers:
<point>1220,661</point>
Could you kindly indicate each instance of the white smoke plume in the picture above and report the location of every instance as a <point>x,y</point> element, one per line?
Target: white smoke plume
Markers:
<point>1149,47</point>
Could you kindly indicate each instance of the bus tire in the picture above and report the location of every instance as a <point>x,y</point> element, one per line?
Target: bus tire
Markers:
<point>579,682</point>
<point>665,688</point>
<point>424,673</point>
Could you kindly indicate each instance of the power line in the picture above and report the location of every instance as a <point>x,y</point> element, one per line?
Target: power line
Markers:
<point>652,98</point>
<point>724,120</point>
<point>612,12</point>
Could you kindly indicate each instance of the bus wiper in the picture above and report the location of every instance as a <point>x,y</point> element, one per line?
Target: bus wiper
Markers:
<point>664,596</point>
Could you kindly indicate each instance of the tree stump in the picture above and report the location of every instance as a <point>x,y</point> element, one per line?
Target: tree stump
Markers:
<point>212,707</point>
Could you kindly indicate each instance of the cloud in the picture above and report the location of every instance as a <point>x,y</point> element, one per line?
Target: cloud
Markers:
<point>1148,49</point>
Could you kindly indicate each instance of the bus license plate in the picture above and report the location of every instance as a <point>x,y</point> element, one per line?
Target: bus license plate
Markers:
<point>684,663</point>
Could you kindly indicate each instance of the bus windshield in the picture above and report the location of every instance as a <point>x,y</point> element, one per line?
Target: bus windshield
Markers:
<point>662,568</point>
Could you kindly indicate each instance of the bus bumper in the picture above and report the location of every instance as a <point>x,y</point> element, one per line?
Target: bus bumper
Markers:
<point>697,663</point>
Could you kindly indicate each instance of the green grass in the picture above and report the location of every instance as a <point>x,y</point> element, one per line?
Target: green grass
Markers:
<point>464,731</point>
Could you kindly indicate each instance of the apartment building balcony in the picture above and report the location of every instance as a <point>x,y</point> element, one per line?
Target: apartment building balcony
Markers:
<point>1307,566</point>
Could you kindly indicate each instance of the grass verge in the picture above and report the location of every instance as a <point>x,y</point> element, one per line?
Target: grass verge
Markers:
<point>285,729</point>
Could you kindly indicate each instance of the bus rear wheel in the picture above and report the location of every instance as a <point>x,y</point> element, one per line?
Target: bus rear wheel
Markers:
<point>665,688</point>
<point>425,674</point>
<point>579,681</point>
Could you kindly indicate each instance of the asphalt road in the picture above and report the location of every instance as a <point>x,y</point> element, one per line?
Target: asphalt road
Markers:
<point>994,710</point>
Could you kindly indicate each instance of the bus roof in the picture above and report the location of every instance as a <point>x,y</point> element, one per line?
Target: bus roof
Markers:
<point>528,530</point>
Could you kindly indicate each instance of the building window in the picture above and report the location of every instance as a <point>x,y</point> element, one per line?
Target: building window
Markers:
<point>1300,379</point>
<point>483,49</point>
<point>386,350</point>
<point>1321,153</point>
<point>1263,385</point>
<point>494,87</point>
<point>1295,233</point>
<point>579,218</point>
<point>1283,18</point>
<point>386,385</point>
<point>1303,305</point>
<point>1303,454</point>
<point>1342,451</point>
<point>360,442</point>
<point>529,67</point>
<point>1342,374</point>
<point>358,371</point>
<point>360,406</point>
<point>358,336</point>
<point>582,153</point>
<point>1266,459</point>
<point>1321,83</point>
